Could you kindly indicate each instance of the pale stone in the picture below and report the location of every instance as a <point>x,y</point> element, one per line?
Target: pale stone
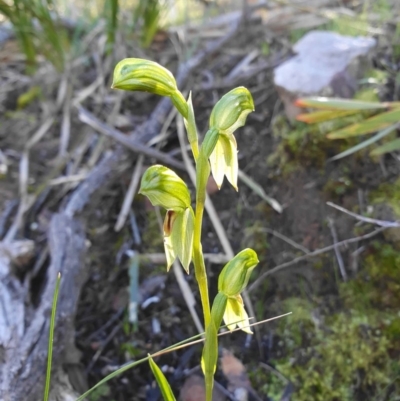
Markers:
<point>325,64</point>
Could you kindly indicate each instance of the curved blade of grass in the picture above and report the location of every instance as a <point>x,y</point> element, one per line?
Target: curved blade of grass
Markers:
<point>51,336</point>
<point>162,381</point>
<point>366,143</point>
<point>376,123</point>
<point>326,103</point>
<point>386,148</point>
<point>182,344</point>
<point>131,365</point>
<point>324,115</point>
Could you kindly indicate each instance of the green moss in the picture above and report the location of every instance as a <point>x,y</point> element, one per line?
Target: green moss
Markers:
<point>348,349</point>
<point>388,193</point>
<point>335,189</point>
<point>300,145</point>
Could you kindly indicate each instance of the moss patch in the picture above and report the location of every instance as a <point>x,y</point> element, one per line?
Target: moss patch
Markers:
<point>348,348</point>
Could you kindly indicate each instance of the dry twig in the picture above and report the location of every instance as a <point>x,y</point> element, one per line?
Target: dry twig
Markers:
<point>381,223</point>
<point>317,252</point>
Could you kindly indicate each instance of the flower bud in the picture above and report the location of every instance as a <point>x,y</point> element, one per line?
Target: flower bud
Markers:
<point>164,188</point>
<point>135,74</point>
<point>235,275</point>
<point>231,110</point>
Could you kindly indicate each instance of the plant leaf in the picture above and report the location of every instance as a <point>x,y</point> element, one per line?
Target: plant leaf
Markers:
<point>387,147</point>
<point>366,143</point>
<point>326,103</point>
<point>51,337</point>
<point>324,115</point>
<point>162,381</point>
<point>376,123</point>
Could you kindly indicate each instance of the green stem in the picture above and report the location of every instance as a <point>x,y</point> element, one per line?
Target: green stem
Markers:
<point>199,265</point>
<point>202,174</point>
<point>210,350</point>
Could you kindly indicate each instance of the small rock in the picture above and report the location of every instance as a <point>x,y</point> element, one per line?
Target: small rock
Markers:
<point>325,64</point>
<point>194,390</point>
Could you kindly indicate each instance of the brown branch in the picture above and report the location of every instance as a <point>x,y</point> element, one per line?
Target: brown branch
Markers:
<point>88,118</point>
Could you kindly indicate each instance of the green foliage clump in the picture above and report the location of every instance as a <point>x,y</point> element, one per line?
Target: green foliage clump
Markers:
<point>388,193</point>
<point>300,145</point>
<point>37,30</point>
<point>348,350</point>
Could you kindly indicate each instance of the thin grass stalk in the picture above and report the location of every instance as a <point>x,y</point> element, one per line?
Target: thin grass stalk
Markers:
<point>51,337</point>
<point>182,344</point>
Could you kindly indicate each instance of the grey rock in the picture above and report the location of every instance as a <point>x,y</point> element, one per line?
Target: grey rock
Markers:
<point>325,64</point>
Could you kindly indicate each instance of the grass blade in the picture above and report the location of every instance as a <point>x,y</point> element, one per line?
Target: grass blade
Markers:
<point>376,123</point>
<point>51,336</point>
<point>162,381</point>
<point>386,148</point>
<point>325,103</point>
<point>111,14</point>
<point>185,343</point>
<point>324,115</point>
<point>368,142</point>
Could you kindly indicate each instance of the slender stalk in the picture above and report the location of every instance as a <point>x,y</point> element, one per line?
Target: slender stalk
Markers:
<point>202,174</point>
<point>51,336</point>
<point>199,265</point>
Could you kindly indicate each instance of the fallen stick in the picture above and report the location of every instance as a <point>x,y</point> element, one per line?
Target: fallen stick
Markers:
<point>317,252</point>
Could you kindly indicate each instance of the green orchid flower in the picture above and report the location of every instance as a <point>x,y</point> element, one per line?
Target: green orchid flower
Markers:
<point>164,188</point>
<point>135,74</point>
<point>227,305</point>
<point>227,116</point>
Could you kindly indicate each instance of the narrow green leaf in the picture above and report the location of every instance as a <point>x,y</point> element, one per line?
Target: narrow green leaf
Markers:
<point>366,143</point>
<point>376,123</point>
<point>162,381</point>
<point>51,336</point>
<point>326,103</point>
<point>387,148</point>
<point>324,115</point>
<point>128,366</point>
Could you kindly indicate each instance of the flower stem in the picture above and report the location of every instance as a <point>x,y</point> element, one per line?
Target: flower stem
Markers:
<point>202,174</point>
